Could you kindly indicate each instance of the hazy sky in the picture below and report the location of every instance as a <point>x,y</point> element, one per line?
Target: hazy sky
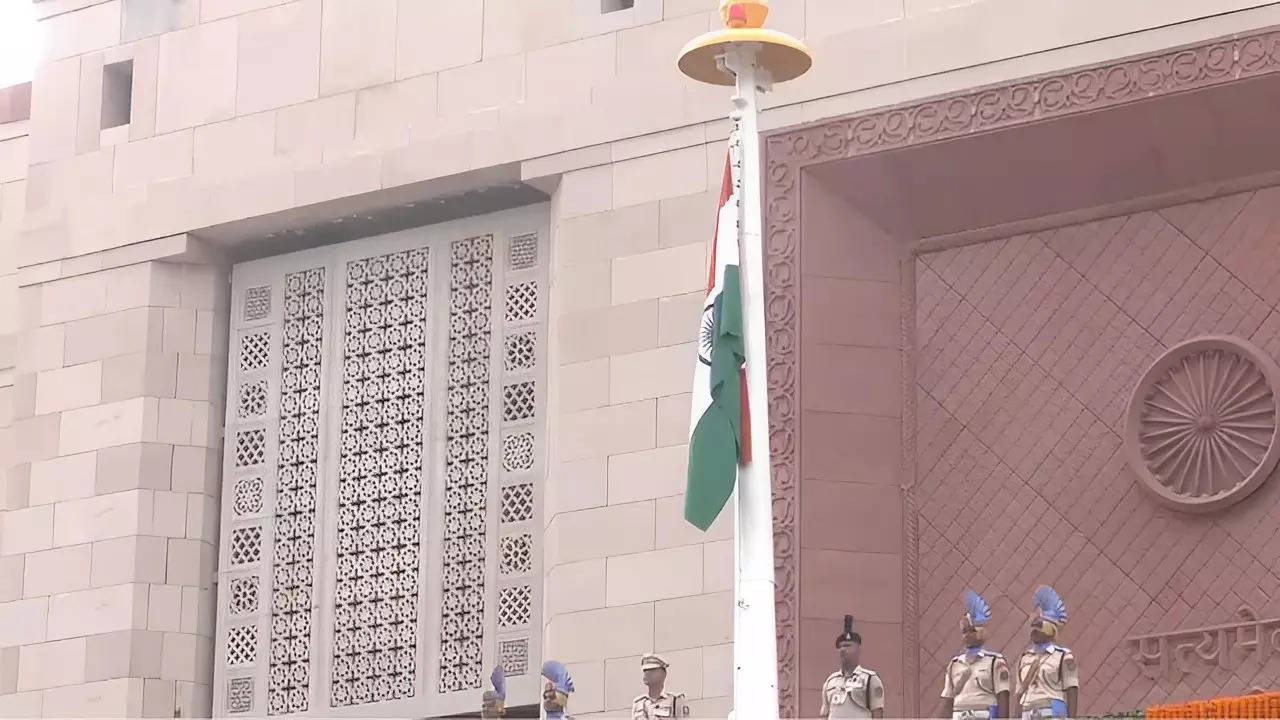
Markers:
<point>18,41</point>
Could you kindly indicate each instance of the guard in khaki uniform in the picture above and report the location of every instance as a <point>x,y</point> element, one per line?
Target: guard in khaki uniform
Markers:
<point>1048,680</point>
<point>977,682</point>
<point>657,703</point>
<point>852,691</point>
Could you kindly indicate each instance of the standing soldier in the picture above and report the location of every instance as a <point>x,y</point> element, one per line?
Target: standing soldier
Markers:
<point>1047,676</point>
<point>555,694</point>
<point>977,683</point>
<point>852,691</point>
<point>657,703</point>
<point>493,702</point>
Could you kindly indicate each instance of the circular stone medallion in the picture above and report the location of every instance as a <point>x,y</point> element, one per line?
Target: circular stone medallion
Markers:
<point>1202,426</point>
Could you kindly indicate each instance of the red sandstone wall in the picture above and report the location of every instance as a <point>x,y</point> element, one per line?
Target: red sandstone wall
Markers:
<point>1028,349</point>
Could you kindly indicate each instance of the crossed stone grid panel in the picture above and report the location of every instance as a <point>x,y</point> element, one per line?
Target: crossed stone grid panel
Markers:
<point>1028,348</point>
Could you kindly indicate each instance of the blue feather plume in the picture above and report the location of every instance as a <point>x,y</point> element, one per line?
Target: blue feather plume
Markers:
<point>977,608</point>
<point>558,674</point>
<point>499,681</point>
<point>1050,605</point>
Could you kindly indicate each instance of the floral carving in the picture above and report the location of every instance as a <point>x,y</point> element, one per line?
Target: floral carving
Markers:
<point>1202,430</point>
<point>788,152</point>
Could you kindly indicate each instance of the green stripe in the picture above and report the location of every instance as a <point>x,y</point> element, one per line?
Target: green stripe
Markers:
<point>716,442</point>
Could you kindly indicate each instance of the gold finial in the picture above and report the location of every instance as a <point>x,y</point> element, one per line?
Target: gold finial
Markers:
<point>744,13</point>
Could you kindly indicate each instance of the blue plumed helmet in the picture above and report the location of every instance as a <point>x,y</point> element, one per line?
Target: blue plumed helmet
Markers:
<point>559,682</point>
<point>976,610</point>
<point>495,700</point>
<point>1052,610</point>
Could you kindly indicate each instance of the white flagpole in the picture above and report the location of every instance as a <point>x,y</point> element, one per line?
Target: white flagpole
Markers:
<point>755,652</point>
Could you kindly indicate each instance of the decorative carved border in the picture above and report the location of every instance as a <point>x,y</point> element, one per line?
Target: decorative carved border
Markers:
<point>790,150</point>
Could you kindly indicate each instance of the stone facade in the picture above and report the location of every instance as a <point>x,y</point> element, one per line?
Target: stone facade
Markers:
<point>253,120</point>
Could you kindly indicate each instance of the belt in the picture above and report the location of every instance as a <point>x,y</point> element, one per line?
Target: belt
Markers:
<point>971,715</point>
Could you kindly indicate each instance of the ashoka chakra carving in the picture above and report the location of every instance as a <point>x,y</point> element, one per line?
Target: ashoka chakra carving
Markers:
<point>1202,426</point>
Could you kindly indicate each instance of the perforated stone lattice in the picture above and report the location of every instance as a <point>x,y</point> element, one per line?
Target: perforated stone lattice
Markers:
<point>520,351</point>
<point>517,503</point>
<point>380,479</point>
<point>248,496</point>
<point>515,606</point>
<point>257,303</point>
<point>251,447</point>
<point>293,562</point>
<point>516,554</point>
<point>255,350</point>
<point>253,399</point>
<point>242,645</point>
<point>518,401</point>
<point>240,695</point>
<point>522,302</point>
<point>246,545</point>
<point>466,464</point>
<point>244,595</point>
<point>514,656</point>
<point>517,452</point>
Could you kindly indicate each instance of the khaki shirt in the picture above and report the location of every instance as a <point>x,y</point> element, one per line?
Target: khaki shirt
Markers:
<point>854,696</point>
<point>1057,673</point>
<point>670,705</point>
<point>988,676</point>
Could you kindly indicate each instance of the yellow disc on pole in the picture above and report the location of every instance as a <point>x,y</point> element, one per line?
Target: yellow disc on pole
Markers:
<point>782,56</point>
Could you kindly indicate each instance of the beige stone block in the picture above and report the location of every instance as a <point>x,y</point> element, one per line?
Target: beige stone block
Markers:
<point>195,376</point>
<point>40,349</point>
<point>227,150</point>
<point>647,474</point>
<point>584,385</point>
<point>129,331</point>
<point>717,567</point>
<point>73,298</point>
<point>119,698</point>
<point>203,286</point>
<point>606,235</point>
<point>607,431</point>
<point>163,157</point>
<point>662,273</point>
<point>645,53</point>
<point>655,143</point>
<point>74,33</point>
<point>142,104</point>
<point>604,532</point>
<point>109,424</point>
<point>89,131</point>
<point>307,133</point>
<point>98,610</point>
<point>130,286</point>
<point>576,586</point>
<point>461,45</point>
<point>202,518</point>
<point>605,633</point>
<point>656,177</point>
<point>582,287</point>
<point>8,671</point>
<point>102,517</point>
<point>179,657</point>
<point>651,373</point>
<point>139,375</point>
<point>656,575</point>
<point>206,328</point>
<point>23,622</point>
<point>68,388</point>
<point>175,421</point>
<point>679,316</point>
<point>579,484</point>
<point>588,690</point>
<point>144,17</point>
<point>159,698</point>
<point>386,115</point>
<point>164,608</point>
<point>675,419</point>
<point>195,469</point>
<point>138,465</point>
<point>196,79</point>
<point>832,17</point>
<point>426,160</point>
<point>124,653</point>
<point>63,478</point>
<point>169,514</point>
<point>565,73</point>
<point>358,44</point>
<point>128,560</point>
<point>14,159</point>
<point>191,610</point>
<point>673,530</point>
<point>36,438</point>
<point>51,664</point>
<point>57,571</point>
<point>356,176</point>
<point>16,482</point>
<point>279,56</point>
<point>694,621</point>
<point>189,562</point>
<point>11,577</point>
<point>618,329</point>
<point>586,191</point>
<point>26,530</point>
<point>688,219</point>
<point>22,705</point>
<point>218,9</point>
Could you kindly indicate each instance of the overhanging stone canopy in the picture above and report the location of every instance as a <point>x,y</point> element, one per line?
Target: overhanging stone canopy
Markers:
<point>789,152</point>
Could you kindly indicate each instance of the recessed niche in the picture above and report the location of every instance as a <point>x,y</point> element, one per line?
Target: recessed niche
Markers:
<point>608,6</point>
<point>117,93</point>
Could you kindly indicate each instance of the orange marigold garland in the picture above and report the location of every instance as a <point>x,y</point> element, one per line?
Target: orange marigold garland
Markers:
<point>1244,707</point>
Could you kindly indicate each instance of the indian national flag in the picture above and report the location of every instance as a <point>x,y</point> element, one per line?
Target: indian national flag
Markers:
<point>718,431</point>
